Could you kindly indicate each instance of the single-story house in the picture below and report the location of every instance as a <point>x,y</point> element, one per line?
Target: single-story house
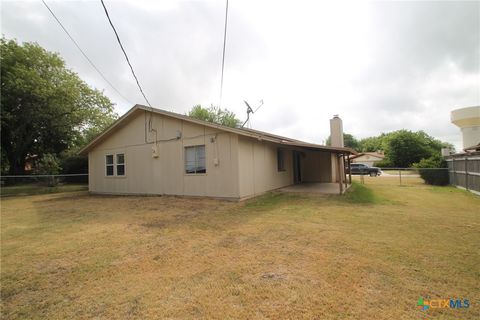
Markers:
<point>367,158</point>
<point>155,152</point>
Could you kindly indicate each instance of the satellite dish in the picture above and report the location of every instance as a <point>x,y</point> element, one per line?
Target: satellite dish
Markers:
<point>250,110</point>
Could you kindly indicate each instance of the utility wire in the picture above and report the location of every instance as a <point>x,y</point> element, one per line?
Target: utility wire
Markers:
<point>84,54</point>
<point>223,57</point>
<point>123,50</point>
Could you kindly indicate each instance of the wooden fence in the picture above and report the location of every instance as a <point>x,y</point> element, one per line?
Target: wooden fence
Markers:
<point>464,171</point>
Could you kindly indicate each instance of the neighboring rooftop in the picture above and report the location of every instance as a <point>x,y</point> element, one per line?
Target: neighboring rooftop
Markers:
<point>374,154</point>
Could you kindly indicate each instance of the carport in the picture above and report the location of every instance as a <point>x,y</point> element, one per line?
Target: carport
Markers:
<point>320,169</point>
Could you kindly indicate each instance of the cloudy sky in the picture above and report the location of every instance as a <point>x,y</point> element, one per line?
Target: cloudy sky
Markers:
<point>381,66</point>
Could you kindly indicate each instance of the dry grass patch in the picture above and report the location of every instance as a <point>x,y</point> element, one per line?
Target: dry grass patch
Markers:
<point>280,256</point>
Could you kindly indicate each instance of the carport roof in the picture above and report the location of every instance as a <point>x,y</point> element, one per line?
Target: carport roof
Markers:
<point>256,134</point>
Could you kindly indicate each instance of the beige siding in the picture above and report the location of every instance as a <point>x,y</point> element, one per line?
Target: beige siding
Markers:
<point>316,167</point>
<point>237,167</point>
<point>165,174</point>
<point>258,171</point>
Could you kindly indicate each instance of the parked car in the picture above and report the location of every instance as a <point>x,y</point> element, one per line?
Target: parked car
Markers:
<point>360,168</point>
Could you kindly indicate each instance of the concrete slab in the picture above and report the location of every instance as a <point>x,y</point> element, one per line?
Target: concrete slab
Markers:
<point>314,187</point>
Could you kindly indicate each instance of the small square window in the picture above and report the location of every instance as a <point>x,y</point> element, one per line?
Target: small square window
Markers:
<point>115,164</point>
<point>120,158</point>
<point>195,159</point>
<point>120,169</point>
<point>109,170</point>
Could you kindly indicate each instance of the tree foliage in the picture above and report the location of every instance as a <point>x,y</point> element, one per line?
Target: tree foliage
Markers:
<point>45,107</point>
<point>215,114</point>
<point>402,148</point>
<point>47,164</point>
<point>372,144</point>
<point>349,141</point>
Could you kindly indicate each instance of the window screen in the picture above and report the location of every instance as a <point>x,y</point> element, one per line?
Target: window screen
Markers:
<point>120,164</point>
<point>109,164</point>
<point>195,159</point>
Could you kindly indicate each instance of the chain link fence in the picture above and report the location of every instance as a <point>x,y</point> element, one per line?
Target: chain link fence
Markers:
<point>40,184</point>
<point>405,176</point>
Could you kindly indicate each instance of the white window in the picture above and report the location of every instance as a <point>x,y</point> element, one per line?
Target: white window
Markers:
<point>195,159</point>
<point>115,165</point>
<point>109,164</point>
<point>120,164</point>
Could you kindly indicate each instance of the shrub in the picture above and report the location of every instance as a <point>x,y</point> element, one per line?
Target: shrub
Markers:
<point>48,164</point>
<point>433,170</point>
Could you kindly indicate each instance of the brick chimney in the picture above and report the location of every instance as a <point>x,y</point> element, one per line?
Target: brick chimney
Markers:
<point>336,132</point>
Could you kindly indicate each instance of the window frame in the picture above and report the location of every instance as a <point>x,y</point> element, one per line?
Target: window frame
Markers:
<point>114,165</point>
<point>196,160</point>
<point>120,164</point>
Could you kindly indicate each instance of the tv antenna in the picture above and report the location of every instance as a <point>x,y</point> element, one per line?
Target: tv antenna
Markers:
<point>250,110</point>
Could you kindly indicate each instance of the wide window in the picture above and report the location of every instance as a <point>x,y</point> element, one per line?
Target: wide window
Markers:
<point>109,164</point>
<point>280,160</point>
<point>120,164</point>
<point>195,159</point>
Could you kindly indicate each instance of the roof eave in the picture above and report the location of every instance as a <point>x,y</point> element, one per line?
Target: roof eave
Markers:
<point>255,135</point>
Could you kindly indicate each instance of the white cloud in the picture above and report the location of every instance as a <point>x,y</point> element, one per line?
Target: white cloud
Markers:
<point>382,66</point>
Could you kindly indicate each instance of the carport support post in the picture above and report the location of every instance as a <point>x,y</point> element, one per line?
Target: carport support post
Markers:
<point>339,173</point>
<point>349,171</point>
<point>344,172</point>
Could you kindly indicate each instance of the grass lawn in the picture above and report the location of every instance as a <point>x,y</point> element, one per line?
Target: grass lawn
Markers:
<point>368,255</point>
<point>397,172</point>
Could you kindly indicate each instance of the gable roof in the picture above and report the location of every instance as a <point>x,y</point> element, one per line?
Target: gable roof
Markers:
<point>256,134</point>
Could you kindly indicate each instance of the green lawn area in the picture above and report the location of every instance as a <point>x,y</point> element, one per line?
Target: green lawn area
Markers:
<point>370,254</point>
<point>31,189</point>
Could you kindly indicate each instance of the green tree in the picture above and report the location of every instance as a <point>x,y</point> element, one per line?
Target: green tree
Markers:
<point>372,144</point>
<point>404,147</point>
<point>45,107</point>
<point>216,115</point>
<point>48,164</point>
<point>349,141</point>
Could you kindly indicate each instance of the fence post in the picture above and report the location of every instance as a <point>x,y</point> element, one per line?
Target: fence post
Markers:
<point>466,173</point>
<point>454,172</point>
<point>400,175</point>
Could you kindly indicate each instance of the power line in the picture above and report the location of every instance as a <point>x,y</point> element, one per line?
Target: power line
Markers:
<point>123,50</point>
<point>223,56</point>
<point>84,54</point>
